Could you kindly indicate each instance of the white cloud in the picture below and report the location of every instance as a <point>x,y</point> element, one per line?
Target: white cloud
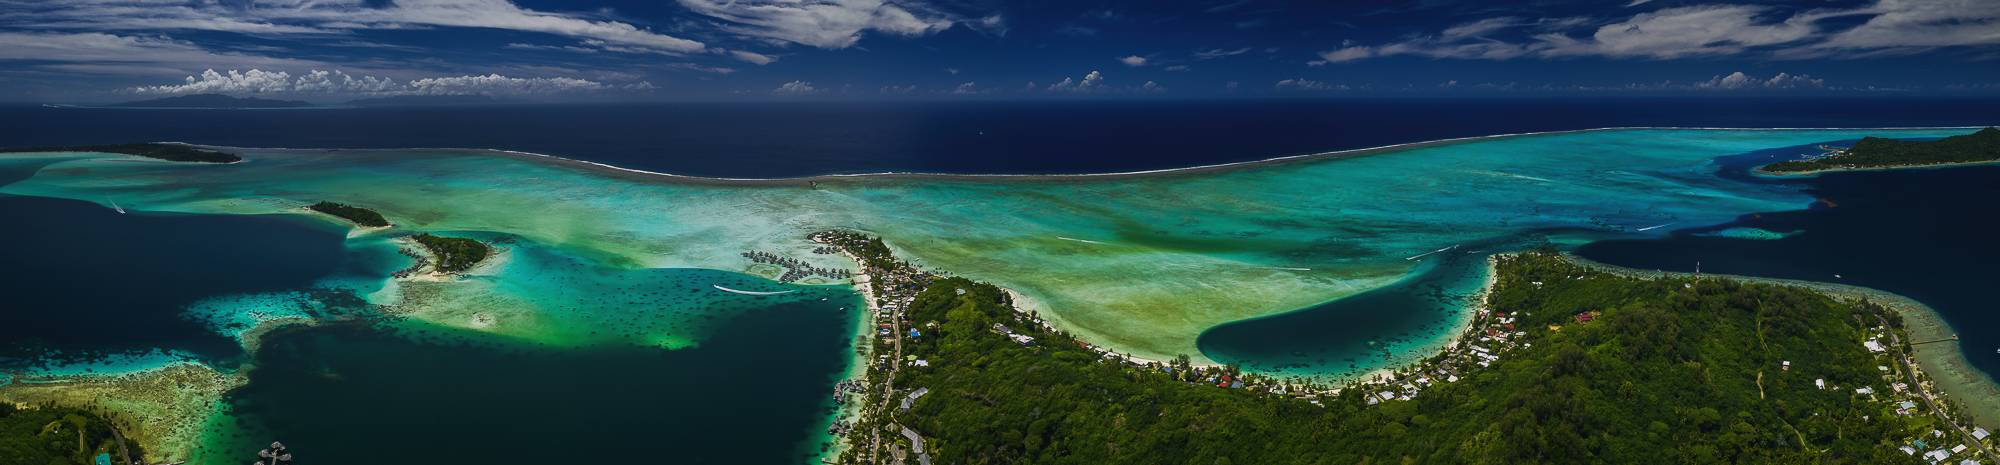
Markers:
<point>257,81</point>
<point>795,88</point>
<point>1307,85</point>
<point>1091,83</point>
<point>1920,24</point>
<point>697,67</point>
<point>968,88</point>
<point>895,89</point>
<point>1347,54</point>
<point>832,24</point>
<point>752,57</point>
<point>1151,87</point>
<point>1215,53</point>
<point>335,17</point>
<point>1176,68</point>
<point>494,84</point>
<point>1133,61</point>
<point>1680,32</point>
<point>951,71</point>
<point>149,56</point>
<point>1738,80</point>
<point>1889,27</point>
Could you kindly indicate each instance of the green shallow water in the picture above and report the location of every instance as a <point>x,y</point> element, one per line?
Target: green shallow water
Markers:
<point>1143,264</point>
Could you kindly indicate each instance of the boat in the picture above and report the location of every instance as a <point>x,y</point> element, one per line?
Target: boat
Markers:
<point>1653,227</point>
<point>115,207</point>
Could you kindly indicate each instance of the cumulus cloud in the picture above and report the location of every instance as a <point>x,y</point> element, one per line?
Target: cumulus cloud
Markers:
<point>257,81</point>
<point>1091,83</point>
<point>968,88</point>
<point>795,88</point>
<point>832,24</point>
<point>1133,61</point>
<point>1739,80</point>
<point>1888,26</point>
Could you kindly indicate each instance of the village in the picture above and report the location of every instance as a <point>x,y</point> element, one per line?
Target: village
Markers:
<point>1488,336</point>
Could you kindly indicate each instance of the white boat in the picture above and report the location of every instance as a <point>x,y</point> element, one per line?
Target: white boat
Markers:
<point>115,207</point>
<point>1653,227</point>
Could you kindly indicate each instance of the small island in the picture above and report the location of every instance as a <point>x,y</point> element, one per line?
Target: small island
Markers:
<point>1877,152</point>
<point>454,254</point>
<point>358,215</point>
<point>212,101</point>
<point>155,150</point>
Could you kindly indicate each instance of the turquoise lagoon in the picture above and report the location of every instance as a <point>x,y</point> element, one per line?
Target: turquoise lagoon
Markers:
<point>1141,263</point>
<point>603,267</point>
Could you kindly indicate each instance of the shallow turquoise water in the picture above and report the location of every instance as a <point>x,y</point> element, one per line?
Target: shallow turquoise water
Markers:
<point>601,268</point>
<point>1143,264</point>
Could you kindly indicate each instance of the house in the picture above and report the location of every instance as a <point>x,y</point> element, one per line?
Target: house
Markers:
<point>1937,455</point>
<point>1980,433</point>
<point>1864,390</point>
<point>1820,383</point>
<point>1873,346</point>
<point>1024,339</point>
<point>1907,450</point>
<point>1958,448</point>
<point>1907,405</point>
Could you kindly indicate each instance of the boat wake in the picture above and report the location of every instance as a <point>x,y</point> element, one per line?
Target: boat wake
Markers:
<point>1426,254</point>
<point>1086,241</point>
<point>738,291</point>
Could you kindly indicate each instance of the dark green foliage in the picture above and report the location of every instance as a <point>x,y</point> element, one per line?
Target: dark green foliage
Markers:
<point>1876,152</point>
<point>53,436</point>
<point>1666,374</point>
<point>358,215</point>
<point>454,254</point>
<point>168,152</point>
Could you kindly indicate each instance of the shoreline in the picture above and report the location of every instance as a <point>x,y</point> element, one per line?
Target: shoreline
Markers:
<point>1863,169</point>
<point>1199,169</point>
<point>1977,393</point>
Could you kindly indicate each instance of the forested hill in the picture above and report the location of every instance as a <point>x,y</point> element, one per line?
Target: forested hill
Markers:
<point>1668,371</point>
<point>1876,152</point>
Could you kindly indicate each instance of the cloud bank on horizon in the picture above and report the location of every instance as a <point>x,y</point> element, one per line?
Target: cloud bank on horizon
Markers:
<point>774,49</point>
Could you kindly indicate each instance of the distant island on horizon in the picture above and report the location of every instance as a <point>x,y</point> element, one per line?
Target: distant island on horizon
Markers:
<point>1879,153</point>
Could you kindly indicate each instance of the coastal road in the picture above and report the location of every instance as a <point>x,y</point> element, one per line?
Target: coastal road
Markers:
<point>1910,372</point>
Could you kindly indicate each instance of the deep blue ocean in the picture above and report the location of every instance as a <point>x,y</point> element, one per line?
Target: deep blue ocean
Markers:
<point>765,140</point>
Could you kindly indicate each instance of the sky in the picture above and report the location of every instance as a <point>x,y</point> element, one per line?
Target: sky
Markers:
<point>638,50</point>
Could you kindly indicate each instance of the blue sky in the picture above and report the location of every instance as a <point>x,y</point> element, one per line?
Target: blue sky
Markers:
<point>332,50</point>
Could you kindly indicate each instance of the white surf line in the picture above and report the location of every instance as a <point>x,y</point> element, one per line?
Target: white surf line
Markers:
<point>1091,175</point>
<point>1286,268</point>
<point>734,291</point>
<point>1653,227</point>
<point>1086,241</point>
<point>1426,254</point>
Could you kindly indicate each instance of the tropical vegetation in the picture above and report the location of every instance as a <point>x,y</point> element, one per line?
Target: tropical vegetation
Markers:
<point>358,215</point>
<point>454,254</point>
<point>1876,152</point>
<point>1669,370</point>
